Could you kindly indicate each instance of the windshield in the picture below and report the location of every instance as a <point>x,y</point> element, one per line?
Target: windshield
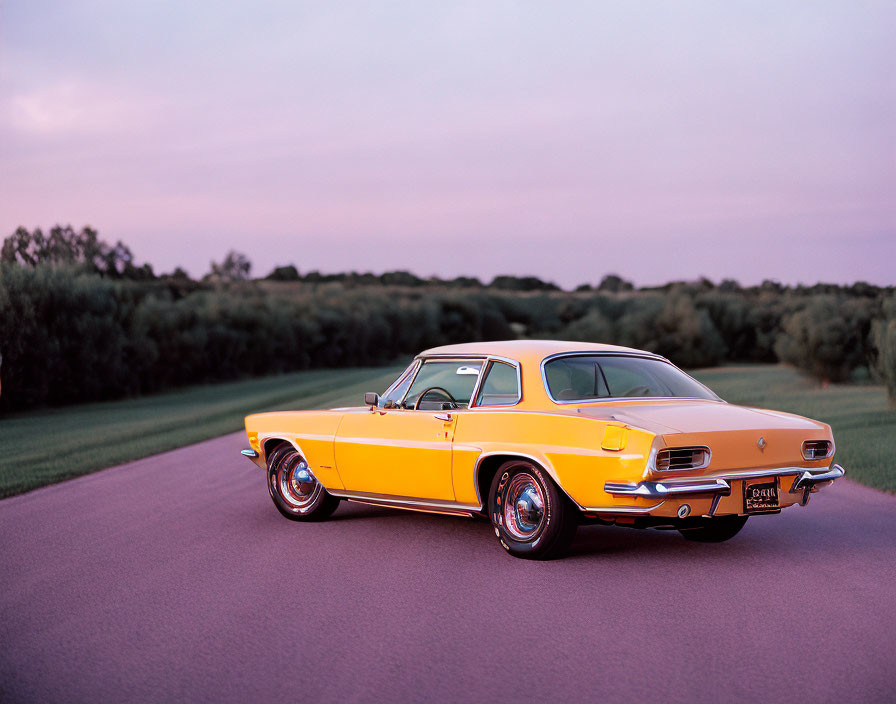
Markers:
<point>396,392</point>
<point>593,377</point>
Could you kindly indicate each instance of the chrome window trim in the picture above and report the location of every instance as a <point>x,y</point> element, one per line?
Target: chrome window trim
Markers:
<point>474,402</point>
<point>486,360</point>
<point>411,369</point>
<point>420,361</point>
<point>604,399</point>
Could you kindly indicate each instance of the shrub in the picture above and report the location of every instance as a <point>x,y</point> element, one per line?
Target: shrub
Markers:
<point>883,339</point>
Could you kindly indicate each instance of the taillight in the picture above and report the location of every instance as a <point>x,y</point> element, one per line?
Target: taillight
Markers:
<point>817,449</point>
<point>677,458</point>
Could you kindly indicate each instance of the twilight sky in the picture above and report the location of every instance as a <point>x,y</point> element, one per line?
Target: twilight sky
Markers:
<point>660,141</point>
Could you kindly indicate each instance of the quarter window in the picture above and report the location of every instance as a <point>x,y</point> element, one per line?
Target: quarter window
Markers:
<point>501,386</point>
<point>396,392</point>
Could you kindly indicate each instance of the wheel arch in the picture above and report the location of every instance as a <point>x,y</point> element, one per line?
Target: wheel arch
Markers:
<point>269,444</point>
<point>487,466</point>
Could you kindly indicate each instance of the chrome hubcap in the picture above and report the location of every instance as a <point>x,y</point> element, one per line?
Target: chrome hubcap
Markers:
<point>523,503</point>
<point>297,486</point>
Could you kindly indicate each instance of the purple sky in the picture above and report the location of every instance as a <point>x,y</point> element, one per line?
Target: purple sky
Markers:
<point>567,140</point>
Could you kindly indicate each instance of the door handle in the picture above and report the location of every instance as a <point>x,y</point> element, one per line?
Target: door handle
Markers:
<point>443,416</point>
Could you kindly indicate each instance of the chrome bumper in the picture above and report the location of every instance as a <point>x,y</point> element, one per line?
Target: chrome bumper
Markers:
<point>811,479</point>
<point>806,480</point>
<point>661,490</point>
<point>254,456</point>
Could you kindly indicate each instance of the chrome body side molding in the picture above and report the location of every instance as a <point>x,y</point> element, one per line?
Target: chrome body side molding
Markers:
<point>408,502</point>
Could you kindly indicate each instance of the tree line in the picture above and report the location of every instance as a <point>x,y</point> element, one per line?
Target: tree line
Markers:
<point>81,321</point>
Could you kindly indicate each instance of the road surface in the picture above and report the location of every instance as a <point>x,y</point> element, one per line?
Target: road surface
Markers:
<point>173,578</point>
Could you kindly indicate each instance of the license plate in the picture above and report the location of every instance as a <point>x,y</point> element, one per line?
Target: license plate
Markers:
<point>760,495</point>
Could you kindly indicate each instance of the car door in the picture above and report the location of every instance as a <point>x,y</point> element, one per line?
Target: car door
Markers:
<point>396,452</point>
<point>406,450</point>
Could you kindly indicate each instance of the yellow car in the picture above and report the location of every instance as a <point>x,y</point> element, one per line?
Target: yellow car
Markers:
<point>541,436</point>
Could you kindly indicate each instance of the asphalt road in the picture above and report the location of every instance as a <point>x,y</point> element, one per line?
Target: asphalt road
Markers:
<point>174,579</point>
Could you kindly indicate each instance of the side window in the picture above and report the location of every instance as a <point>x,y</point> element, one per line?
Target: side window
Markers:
<point>457,377</point>
<point>575,378</point>
<point>627,381</point>
<point>500,387</point>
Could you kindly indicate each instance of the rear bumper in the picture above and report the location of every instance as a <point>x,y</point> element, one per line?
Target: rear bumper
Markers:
<point>714,495</point>
<point>812,479</point>
<point>804,479</point>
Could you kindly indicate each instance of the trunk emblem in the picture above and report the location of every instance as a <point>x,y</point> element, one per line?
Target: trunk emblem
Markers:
<point>761,443</point>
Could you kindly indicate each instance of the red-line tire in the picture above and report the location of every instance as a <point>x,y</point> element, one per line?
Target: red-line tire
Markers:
<point>531,517</point>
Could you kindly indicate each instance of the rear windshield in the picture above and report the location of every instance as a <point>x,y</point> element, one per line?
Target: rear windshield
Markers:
<point>591,377</point>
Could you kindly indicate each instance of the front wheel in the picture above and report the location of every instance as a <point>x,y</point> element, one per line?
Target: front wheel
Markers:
<point>294,490</point>
<point>531,517</point>
<point>714,530</point>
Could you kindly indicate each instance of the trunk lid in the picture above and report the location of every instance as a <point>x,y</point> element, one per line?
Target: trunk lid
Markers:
<point>738,437</point>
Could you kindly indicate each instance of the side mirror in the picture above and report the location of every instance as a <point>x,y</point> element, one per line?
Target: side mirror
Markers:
<point>371,398</point>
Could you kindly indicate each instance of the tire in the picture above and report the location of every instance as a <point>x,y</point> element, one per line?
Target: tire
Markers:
<point>305,500</point>
<point>532,518</point>
<point>714,530</point>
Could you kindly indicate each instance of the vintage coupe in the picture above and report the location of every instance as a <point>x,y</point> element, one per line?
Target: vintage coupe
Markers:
<point>540,436</point>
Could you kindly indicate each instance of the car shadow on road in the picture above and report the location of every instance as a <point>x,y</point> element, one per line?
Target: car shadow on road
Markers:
<point>366,511</point>
<point>811,539</point>
<point>594,540</point>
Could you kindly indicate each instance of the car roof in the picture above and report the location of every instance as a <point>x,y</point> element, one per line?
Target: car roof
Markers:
<point>529,350</point>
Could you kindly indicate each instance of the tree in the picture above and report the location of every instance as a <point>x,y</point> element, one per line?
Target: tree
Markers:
<point>614,284</point>
<point>883,341</point>
<point>522,283</point>
<point>235,267</point>
<point>178,275</point>
<point>65,247</point>
<point>400,278</point>
<point>284,273</point>
<point>826,336</point>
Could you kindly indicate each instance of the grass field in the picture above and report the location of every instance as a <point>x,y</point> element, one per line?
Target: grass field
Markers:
<point>864,427</point>
<point>49,446</point>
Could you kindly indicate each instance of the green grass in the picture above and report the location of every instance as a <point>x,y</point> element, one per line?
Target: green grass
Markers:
<point>45,447</point>
<point>863,424</point>
<point>48,446</point>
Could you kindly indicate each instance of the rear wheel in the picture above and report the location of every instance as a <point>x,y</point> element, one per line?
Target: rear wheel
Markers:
<point>531,517</point>
<point>295,491</point>
<point>714,530</point>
